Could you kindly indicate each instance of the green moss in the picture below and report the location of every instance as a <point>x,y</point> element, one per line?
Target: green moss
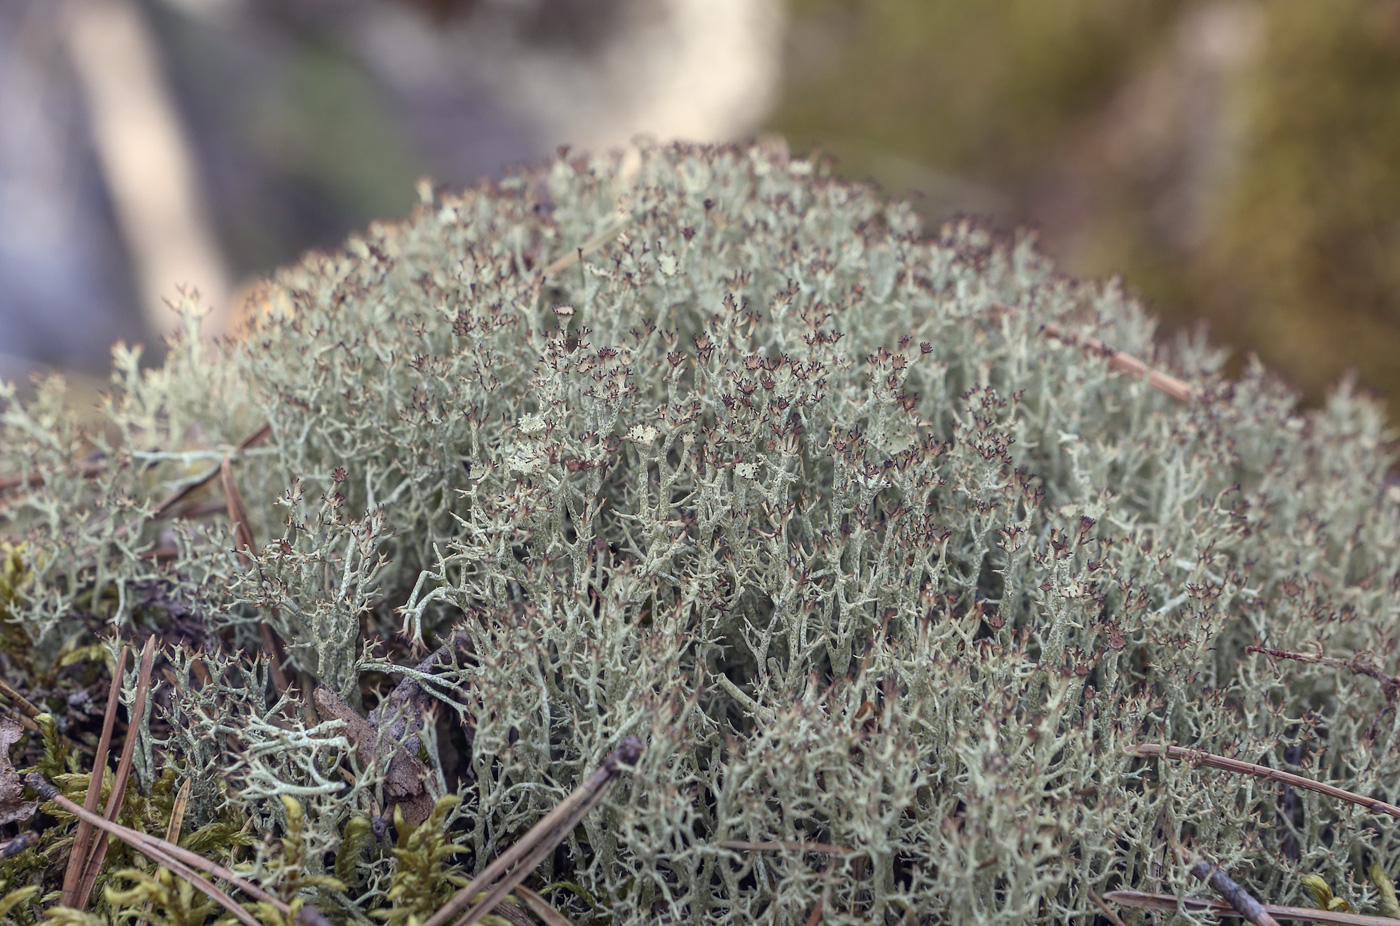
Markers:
<point>422,882</point>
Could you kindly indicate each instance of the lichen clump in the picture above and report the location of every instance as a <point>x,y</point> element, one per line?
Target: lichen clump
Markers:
<point>701,445</point>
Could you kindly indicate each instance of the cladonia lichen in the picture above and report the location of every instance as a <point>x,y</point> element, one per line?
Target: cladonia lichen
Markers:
<point>889,581</point>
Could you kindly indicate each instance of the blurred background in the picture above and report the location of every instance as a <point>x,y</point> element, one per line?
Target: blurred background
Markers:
<point>1237,162</point>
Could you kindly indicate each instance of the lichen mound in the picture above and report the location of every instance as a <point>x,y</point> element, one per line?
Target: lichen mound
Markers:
<point>888,570</point>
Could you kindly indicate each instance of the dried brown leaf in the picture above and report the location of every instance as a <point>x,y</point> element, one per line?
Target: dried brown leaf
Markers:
<point>13,806</point>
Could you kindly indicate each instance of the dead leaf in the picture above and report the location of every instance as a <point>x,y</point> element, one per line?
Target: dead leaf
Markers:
<point>13,807</point>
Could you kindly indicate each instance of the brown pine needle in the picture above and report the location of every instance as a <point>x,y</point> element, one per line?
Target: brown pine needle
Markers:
<point>618,226</point>
<point>1146,900</point>
<point>82,839</point>
<point>779,845</point>
<point>237,511</point>
<point>1108,911</point>
<point>21,702</point>
<point>1165,383</point>
<point>114,800</point>
<point>541,907</point>
<point>243,540</point>
<point>177,813</point>
<point>1127,364</point>
<point>520,859</point>
<point>174,498</point>
<point>181,861</point>
<point>1196,757</point>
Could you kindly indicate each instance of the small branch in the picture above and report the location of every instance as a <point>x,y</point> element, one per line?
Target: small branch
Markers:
<point>1126,363</point>
<point>520,859</point>
<point>1150,901</point>
<point>21,702</point>
<point>541,907</point>
<point>237,513</point>
<point>1196,757</point>
<point>174,498</point>
<point>780,845</point>
<point>1165,383</point>
<point>181,861</point>
<point>1238,897</point>
<point>1354,664</point>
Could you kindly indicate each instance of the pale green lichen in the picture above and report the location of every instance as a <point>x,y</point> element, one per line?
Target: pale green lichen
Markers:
<point>889,582</point>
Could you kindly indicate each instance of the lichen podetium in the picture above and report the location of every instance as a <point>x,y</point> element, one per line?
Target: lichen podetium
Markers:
<point>891,546</point>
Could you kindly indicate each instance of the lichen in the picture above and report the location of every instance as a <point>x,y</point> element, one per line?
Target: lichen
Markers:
<point>889,582</point>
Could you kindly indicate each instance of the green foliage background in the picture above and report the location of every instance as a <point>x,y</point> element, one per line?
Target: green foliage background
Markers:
<point>1250,183</point>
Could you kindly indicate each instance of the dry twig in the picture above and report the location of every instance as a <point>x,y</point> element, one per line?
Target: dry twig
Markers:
<point>520,859</point>
<point>1165,383</point>
<point>27,710</point>
<point>618,226</point>
<point>1126,363</point>
<point>1108,911</point>
<point>779,845</point>
<point>1355,664</point>
<point>181,861</point>
<point>541,907</point>
<point>1195,757</point>
<point>1238,898</point>
<point>1150,901</point>
<point>174,498</point>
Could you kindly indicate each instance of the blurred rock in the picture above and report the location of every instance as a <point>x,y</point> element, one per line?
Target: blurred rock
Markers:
<point>303,121</point>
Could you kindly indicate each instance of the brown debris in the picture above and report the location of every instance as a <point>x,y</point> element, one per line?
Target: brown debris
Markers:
<point>13,807</point>
<point>401,715</point>
<point>1243,901</point>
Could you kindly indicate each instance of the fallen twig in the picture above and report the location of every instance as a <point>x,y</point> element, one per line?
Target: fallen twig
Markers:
<point>181,861</point>
<point>1238,898</point>
<point>243,543</point>
<point>1150,901</point>
<point>1126,363</point>
<point>781,844</point>
<point>27,711</point>
<point>520,859</point>
<point>1196,757</point>
<point>170,501</point>
<point>1108,911</point>
<point>541,907</point>
<point>1165,383</point>
<point>618,226</point>
<point>1354,664</point>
